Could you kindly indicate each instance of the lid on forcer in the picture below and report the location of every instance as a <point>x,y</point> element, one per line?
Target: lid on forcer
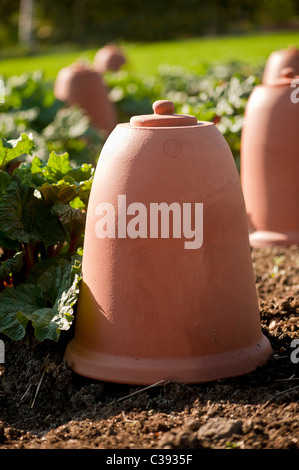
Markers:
<point>163,116</point>
<point>287,75</point>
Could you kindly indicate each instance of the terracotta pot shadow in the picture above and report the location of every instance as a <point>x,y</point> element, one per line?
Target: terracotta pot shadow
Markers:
<point>270,163</point>
<point>80,85</point>
<point>156,305</point>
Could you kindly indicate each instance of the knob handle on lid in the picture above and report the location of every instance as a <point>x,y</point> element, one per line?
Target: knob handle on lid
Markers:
<point>163,107</point>
<point>163,116</point>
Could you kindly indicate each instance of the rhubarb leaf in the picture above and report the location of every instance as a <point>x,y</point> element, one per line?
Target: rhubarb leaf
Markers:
<point>49,305</point>
<point>62,192</point>
<point>60,287</point>
<point>12,265</point>
<point>11,149</point>
<point>4,182</point>
<point>57,167</point>
<point>68,214</point>
<point>16,305</point>
<point>26,218</point>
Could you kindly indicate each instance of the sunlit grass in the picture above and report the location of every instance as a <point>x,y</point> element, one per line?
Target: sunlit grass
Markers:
<point>192,53</point>
<point>146,58</point>
<point>49,63</point>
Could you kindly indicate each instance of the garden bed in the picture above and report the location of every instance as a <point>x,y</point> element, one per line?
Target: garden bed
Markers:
<point>43,405</point>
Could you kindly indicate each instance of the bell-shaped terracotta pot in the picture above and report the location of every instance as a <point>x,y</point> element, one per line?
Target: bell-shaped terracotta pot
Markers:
<point>168,290</point>
<point>80,85</point>
<point>109,58</point>
<point>270,163</point>
<point>279,60</point>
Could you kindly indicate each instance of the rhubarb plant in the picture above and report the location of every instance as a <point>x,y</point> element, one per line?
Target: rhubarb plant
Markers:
<point>42,220</point>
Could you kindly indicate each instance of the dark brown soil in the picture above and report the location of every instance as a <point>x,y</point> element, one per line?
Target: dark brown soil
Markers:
<point>50,407</point>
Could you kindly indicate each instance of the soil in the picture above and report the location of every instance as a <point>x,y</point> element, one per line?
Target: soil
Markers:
<point>44,405</point>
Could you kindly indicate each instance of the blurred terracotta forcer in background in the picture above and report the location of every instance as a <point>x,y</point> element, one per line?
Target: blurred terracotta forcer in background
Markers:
<point>109,58</point>
<point>270,163</point>
<point>80,85</point>
<point>277,61</point>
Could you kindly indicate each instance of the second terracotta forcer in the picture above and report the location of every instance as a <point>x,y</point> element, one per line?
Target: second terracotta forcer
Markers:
<point>177,302</point>
<point>270,162</point>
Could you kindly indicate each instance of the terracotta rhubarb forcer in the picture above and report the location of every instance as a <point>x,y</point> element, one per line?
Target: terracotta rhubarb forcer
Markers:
<point>279,60</point>
<point>80,85</point>
<point>154,304</point>
<point>109,58</point>
<point>270,163</point>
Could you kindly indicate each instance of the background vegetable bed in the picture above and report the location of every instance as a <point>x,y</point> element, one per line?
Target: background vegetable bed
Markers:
<point>45,178</point>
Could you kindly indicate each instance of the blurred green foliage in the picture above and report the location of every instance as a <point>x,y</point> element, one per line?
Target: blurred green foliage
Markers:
<point>30,106</point>
<point>219,94</point>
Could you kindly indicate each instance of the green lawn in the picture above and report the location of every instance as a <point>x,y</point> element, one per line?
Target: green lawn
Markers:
<point>146,58</point>
<point>192,53</point>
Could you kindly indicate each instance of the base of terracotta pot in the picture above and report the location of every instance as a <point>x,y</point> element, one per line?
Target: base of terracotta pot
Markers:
<point>261,238</point>
<point>141,371</point>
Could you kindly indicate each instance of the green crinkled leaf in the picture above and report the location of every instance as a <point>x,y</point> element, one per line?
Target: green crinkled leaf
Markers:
<point>12,265</point>
<point>68,183</point>
<point>60,286</point>
<point>4,182</point>
<point>56,281</point>
<point>49,305</point>
<point>7,243</point>
<point>44,265</point>
<point>56,180</point>
<point>68,214</point>
<point>82,173</point>
<point>62,192</point>
<point>26,218</point>
<point>77,204</point>
<point>30,174</point>
<point>11,149</point>
<point>73,221</point>
<point>14,326</point>
<point>16,305</point>
<point>57,167</point>
<point>49,322</point>
<point>39,172</point>
<point>17,213</point>
<point>37,165</point>
<point>84,190</point>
